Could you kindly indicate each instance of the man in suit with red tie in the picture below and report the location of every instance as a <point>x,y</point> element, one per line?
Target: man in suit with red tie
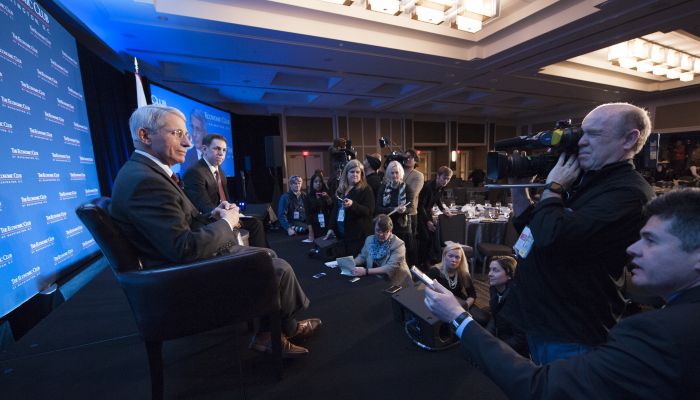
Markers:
<point>205,185</point>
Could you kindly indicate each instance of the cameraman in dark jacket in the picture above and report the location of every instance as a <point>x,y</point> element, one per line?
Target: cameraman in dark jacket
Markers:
<point>566,294</point>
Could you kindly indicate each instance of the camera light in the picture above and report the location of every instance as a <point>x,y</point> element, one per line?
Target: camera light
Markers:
<point>454,155</point>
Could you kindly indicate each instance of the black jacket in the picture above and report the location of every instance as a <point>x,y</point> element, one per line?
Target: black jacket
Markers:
<point>566,289</point>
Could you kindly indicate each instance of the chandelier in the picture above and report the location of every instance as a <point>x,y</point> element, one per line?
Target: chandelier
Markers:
<point>655,59</point>
<point>465,15</point>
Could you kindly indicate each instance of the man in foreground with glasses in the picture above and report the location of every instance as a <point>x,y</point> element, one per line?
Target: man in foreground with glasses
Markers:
<point>206,186</point>
<point>652,355</point>
<point>165,227</point>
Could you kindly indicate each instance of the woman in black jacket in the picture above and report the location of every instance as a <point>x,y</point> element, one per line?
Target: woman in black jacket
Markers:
<point>318,206</point>
<point>351,218</point>
<point>501,271</point>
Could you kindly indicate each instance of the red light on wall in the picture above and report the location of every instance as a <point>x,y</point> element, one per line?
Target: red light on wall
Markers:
<point>459,151</point>
<point>305,153</point>
<point>418,152</point>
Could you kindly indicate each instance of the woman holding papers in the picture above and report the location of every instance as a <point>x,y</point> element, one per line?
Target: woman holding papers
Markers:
<point>384,253</point>
<point>351,218</point>
<point>394,199</point>
<point>453,274</point>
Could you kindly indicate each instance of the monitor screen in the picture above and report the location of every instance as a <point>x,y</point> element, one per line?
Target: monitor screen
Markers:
<point>202,119</point>
<point>47,167</point>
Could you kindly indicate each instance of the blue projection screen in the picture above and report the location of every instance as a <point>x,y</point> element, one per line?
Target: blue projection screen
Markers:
<point>201,119</point>
<point>47,167</point>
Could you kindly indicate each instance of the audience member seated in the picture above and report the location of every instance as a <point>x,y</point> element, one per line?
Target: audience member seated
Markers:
<point>165,227</point>
<point>501,271</point>
<point>351,218</point>
<point>205,185</point>
<point>290,211</point>
<point>453,274</point>
<point>393,197</point>
<point>318,207</point>
<point>384,254</point>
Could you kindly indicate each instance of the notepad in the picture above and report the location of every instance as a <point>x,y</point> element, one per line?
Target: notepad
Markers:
<point>346,265</point>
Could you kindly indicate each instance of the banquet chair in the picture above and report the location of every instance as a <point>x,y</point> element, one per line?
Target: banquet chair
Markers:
<point>179,300</point>
<point>489,250</point>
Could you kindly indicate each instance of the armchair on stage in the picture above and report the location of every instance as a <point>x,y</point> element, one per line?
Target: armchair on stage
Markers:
<point>181,300</point>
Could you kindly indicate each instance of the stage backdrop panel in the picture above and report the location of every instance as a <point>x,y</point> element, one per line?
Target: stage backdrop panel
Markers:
<point>201,120</point>
<point>47,167</point>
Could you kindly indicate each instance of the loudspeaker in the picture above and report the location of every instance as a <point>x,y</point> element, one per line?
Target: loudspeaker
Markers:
<point>423,327</point>
<point>273,151</point>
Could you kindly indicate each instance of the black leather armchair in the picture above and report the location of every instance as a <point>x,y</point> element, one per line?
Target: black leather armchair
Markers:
<point>181,300</point>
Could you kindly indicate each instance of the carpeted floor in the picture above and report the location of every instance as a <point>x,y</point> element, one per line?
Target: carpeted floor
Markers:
<point>89,348</point>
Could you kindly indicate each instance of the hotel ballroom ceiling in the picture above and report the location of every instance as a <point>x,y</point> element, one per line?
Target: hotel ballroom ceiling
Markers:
<point>535,60</point>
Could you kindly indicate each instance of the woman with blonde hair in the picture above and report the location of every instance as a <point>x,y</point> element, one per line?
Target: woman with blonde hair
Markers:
<point>351,218</point>
<point>453,274</point>
<point>393,197</point>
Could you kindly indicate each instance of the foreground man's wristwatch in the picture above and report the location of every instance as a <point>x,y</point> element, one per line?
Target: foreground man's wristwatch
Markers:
<point>458,321</point>
<point>555,187</point>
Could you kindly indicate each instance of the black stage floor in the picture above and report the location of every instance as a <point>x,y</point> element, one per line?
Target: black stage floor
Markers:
<point>89,348</point>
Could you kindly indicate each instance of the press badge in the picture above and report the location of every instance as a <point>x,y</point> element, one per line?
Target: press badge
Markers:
<point>321,220</point>
<point>296,215</point>
<point>524,244</point>
<point>341,215</point>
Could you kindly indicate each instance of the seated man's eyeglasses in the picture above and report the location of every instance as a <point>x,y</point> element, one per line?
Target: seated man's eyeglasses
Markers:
<point>179,133</point>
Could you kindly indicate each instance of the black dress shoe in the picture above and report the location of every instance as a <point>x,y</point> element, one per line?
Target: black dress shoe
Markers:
<point>306,328</point>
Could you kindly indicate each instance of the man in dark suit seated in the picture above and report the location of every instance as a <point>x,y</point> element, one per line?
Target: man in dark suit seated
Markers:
<point>165,227</point>
<point>652,355</point>
<point>205,185</point>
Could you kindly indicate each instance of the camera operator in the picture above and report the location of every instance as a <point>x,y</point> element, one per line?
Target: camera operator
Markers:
<point>566,292</point>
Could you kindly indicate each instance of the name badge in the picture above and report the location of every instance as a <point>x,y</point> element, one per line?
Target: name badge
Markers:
<point>321,220</point>
<point>341,215</point>
<point>296,215</point>
<point>524,244</point>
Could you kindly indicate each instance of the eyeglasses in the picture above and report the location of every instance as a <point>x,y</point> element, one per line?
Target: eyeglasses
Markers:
<point>179,133</point>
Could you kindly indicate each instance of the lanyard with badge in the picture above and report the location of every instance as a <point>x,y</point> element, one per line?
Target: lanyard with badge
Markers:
<point>341,210</point>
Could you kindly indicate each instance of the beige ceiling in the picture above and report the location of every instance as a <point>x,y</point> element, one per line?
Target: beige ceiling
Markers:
<point>538,59</point>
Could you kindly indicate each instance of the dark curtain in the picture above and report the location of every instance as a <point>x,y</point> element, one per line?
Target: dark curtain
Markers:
<point>249,133</point>
<point>110,95</point>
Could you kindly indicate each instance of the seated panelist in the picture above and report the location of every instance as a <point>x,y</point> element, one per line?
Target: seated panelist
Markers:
<point>165,227</point>
<point>205,185</point>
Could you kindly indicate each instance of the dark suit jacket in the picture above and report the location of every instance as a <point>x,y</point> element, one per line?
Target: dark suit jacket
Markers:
<point>358,217</point>
<point>201,188</point>
<point>652,355</point>
<point>159,219</point>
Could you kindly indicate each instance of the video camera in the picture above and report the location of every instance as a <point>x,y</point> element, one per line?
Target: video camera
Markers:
<point>562,139</point>
<point>341,152</point>
<point>393,156</point>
